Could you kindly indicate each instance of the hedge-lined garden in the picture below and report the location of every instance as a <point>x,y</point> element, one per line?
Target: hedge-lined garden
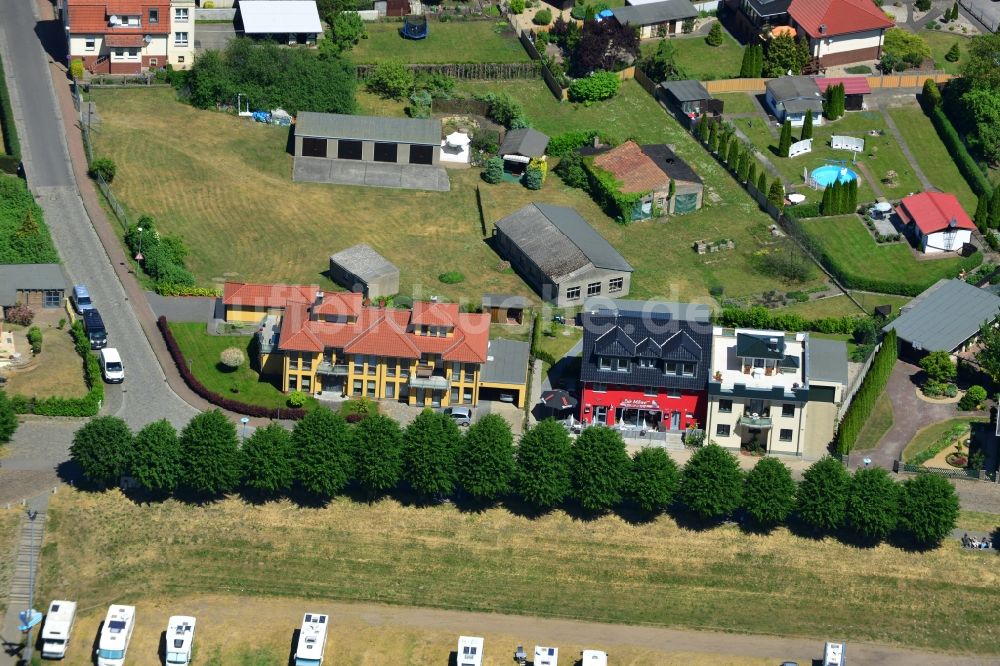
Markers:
<point>324,456</point>
<point>24,237</point>
<point>88,405</point>
<point>10,161</point>
<point>932,104</point>
<point>871,388</point>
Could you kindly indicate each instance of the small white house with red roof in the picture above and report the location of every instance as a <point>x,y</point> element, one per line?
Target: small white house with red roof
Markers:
<point>840,32</point>
<point>937,220</point>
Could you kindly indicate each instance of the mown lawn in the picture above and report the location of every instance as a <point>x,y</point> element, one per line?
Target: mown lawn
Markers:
<point>886,156</point>
<point>104,547</point>
<point>737,103</point>
<point>877,425</point>
<point>202,351</point>
<point>10,521</point>
<point>697,60</point>
<point>929,436</point>
<point>847,242</point>
<point>469,41</point>
<point>940,42</point>
<point>228,192</point>
<point>932,156</point>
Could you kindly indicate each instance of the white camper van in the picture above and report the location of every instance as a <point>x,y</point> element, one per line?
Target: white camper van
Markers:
<point>594,658</point>
<point>116,635</point>
<point>312,640</point>
<point>834,654</point>
<point>180,639</point>
<point>58,627</point>
<point>470,651</point>
<point>546,656</point>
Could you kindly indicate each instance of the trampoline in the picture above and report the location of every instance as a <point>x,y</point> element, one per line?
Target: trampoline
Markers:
<point>414,27</point>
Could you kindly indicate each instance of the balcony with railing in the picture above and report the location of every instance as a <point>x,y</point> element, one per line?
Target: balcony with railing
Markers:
<point>335,369</point>
<point>426,377</point>
<point>755,420</point>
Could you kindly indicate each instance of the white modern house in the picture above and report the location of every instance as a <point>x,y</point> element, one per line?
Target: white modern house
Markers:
<point>937,221</point>
<point>779,392</point>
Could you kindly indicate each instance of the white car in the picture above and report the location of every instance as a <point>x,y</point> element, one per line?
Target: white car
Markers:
<point>111,366</point>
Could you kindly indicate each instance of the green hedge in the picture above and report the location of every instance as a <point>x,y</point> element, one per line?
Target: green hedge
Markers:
<point>605,189</point>
<point>977,180</point>
<point>759,317</point>
<point>871,388</point>
<point>536,342</point>
<point>563,144</point>
<point>11,144</point>
<point>88,405</point>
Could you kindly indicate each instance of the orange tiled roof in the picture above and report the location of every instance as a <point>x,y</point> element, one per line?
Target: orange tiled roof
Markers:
<point>372,330</point>
<point>123,41</point>
<point>91,16</point>
<point>837,17</point>
<point>636,171</point>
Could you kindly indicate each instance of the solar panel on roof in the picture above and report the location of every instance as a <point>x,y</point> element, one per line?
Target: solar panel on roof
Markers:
<point>116,625</point>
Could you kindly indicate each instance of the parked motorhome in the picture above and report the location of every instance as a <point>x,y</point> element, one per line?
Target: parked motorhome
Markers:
<point>834,654</point>
<point>312,640</point>
<point>116,633</point>
<point>179,639</point>
<point>594,658</point>
<point>470,651</point>
<point>58,627</point>
<point>546,656</point>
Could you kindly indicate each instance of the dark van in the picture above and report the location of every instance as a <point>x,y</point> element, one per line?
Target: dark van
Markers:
<point>94,326</point>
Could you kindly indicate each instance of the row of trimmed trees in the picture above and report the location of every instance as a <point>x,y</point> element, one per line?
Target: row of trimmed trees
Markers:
<point>721,139</point>
<point>323,455</point>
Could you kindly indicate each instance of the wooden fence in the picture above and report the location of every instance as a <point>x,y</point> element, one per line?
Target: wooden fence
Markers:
<point>490,71</point>
<point>756,86</point>
<point>647,83</point>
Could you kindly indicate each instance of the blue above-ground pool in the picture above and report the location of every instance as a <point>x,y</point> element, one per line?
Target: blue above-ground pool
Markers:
<point>825,176</point>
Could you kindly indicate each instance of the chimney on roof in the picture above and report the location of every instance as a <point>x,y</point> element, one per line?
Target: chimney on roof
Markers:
<point>822,28</point>
<point>319,298</point>
<point>772,344</point>
<point>953,223</point>
<point>434,299</point>
<point>313,315</point>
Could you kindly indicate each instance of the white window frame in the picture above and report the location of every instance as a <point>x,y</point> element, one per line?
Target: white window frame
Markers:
<point>723,430</point>
<point>178,41</point>
<point>594,289</point>
<point>573,294</point>
<point>616,284</point>
<point>153,15</point>
<point>90,43</point>
<point>181,15</point>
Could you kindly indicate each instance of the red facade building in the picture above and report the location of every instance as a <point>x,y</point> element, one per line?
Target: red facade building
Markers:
<point>645,365</point>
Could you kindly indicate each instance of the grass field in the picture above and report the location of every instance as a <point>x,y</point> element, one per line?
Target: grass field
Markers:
<point>469,41</point>
<point>737,103</point>
<point>10,520</point>
<point>698,60</point>
<point>977,521</point>
<point>838,306</point>
<point>888,155</point>
<point>940,42</point>
<point>202,350</point>
<point>932,156</point>
<point>877,425</point>
<point>845,239</point>
<point>59,369</point>
<point>227,192</point>
<point>929,436</point>
<point>104,547</point>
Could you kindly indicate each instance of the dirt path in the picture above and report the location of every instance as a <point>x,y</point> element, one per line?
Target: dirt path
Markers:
<point>376,634</point>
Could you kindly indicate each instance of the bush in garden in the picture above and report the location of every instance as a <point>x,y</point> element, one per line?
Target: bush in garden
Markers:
<point>451,277</point>
<point>296,399</point>
<point>105,168</point>
<point>516,6</point>
<point>973,398</point>
<point>714,37</point>
<point>533,178</point>
<point>232,357</point>
<point>35,339</point>
<point>593,88</point>
<point>493,173</point>
<point>20,314</point>
<point>542,17</point>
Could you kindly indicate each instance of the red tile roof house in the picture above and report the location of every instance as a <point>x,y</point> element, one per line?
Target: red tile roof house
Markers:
<point>855,89</point>
<point>937,221</point>
<point>130,36</point>
<point>330,342</point>
<point>650,169</point>
<point>840,32</point>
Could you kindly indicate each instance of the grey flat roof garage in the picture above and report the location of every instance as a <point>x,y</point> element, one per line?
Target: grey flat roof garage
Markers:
<point>827,361</point>
<point>686,91</point>
<point>363,261</point>
<point>31,277</point>
<point>505,301</point>
<point>559,241</point>
<point>271,17</point>
<point>655,12</point>
<point>507,362</point>
<point>944,316</point>
<point>368,128</point>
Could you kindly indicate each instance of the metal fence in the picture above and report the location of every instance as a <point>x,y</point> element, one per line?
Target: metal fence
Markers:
<point>968,6</point>
<point>84,112</point>
<point>489,71</point>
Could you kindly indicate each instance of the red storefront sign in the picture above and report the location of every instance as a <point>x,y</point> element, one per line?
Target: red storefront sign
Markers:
<point>686,410</point>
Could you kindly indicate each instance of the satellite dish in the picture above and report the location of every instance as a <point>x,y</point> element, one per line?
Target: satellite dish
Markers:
<point>147,38</point>
<point>114,20</point>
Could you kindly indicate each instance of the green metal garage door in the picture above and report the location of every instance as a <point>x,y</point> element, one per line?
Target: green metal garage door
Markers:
<point>685,203</point>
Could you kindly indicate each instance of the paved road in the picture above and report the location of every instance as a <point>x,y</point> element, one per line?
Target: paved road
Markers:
<point>144,396</point>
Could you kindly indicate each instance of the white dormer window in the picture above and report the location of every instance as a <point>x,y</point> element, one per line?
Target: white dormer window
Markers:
<point>647,363</point>
<point>605,363</point>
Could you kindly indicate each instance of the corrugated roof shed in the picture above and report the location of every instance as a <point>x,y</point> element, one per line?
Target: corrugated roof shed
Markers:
<point>368,128</point>
<point>526,141</point>
<point>686,91</point>
<point>559,241</point>
<point>655,12</point>
<point>945,315</point>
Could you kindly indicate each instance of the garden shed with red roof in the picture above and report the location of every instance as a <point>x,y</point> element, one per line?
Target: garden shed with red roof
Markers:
<point>937,221</point>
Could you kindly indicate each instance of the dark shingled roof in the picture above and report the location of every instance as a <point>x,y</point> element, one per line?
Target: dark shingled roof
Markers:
<point>670,164</point>
<point>368,128</point>
<point>623,332</point>
<point>34,277</point>
<point>559,241</point>
<point>527,142</point>
<point>798,94</point>
<point>655,12</point>
<point>749,345</point>
<point>686,91</point>
<point>769,7</point>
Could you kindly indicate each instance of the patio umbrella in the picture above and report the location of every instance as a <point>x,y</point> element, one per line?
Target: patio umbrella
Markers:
<point>558,399</point>
<point>458,140</point>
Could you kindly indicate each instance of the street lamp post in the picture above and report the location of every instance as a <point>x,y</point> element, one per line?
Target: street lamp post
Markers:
<point>138,255</point>
<point>244,421</point>
<point>867,461</point>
